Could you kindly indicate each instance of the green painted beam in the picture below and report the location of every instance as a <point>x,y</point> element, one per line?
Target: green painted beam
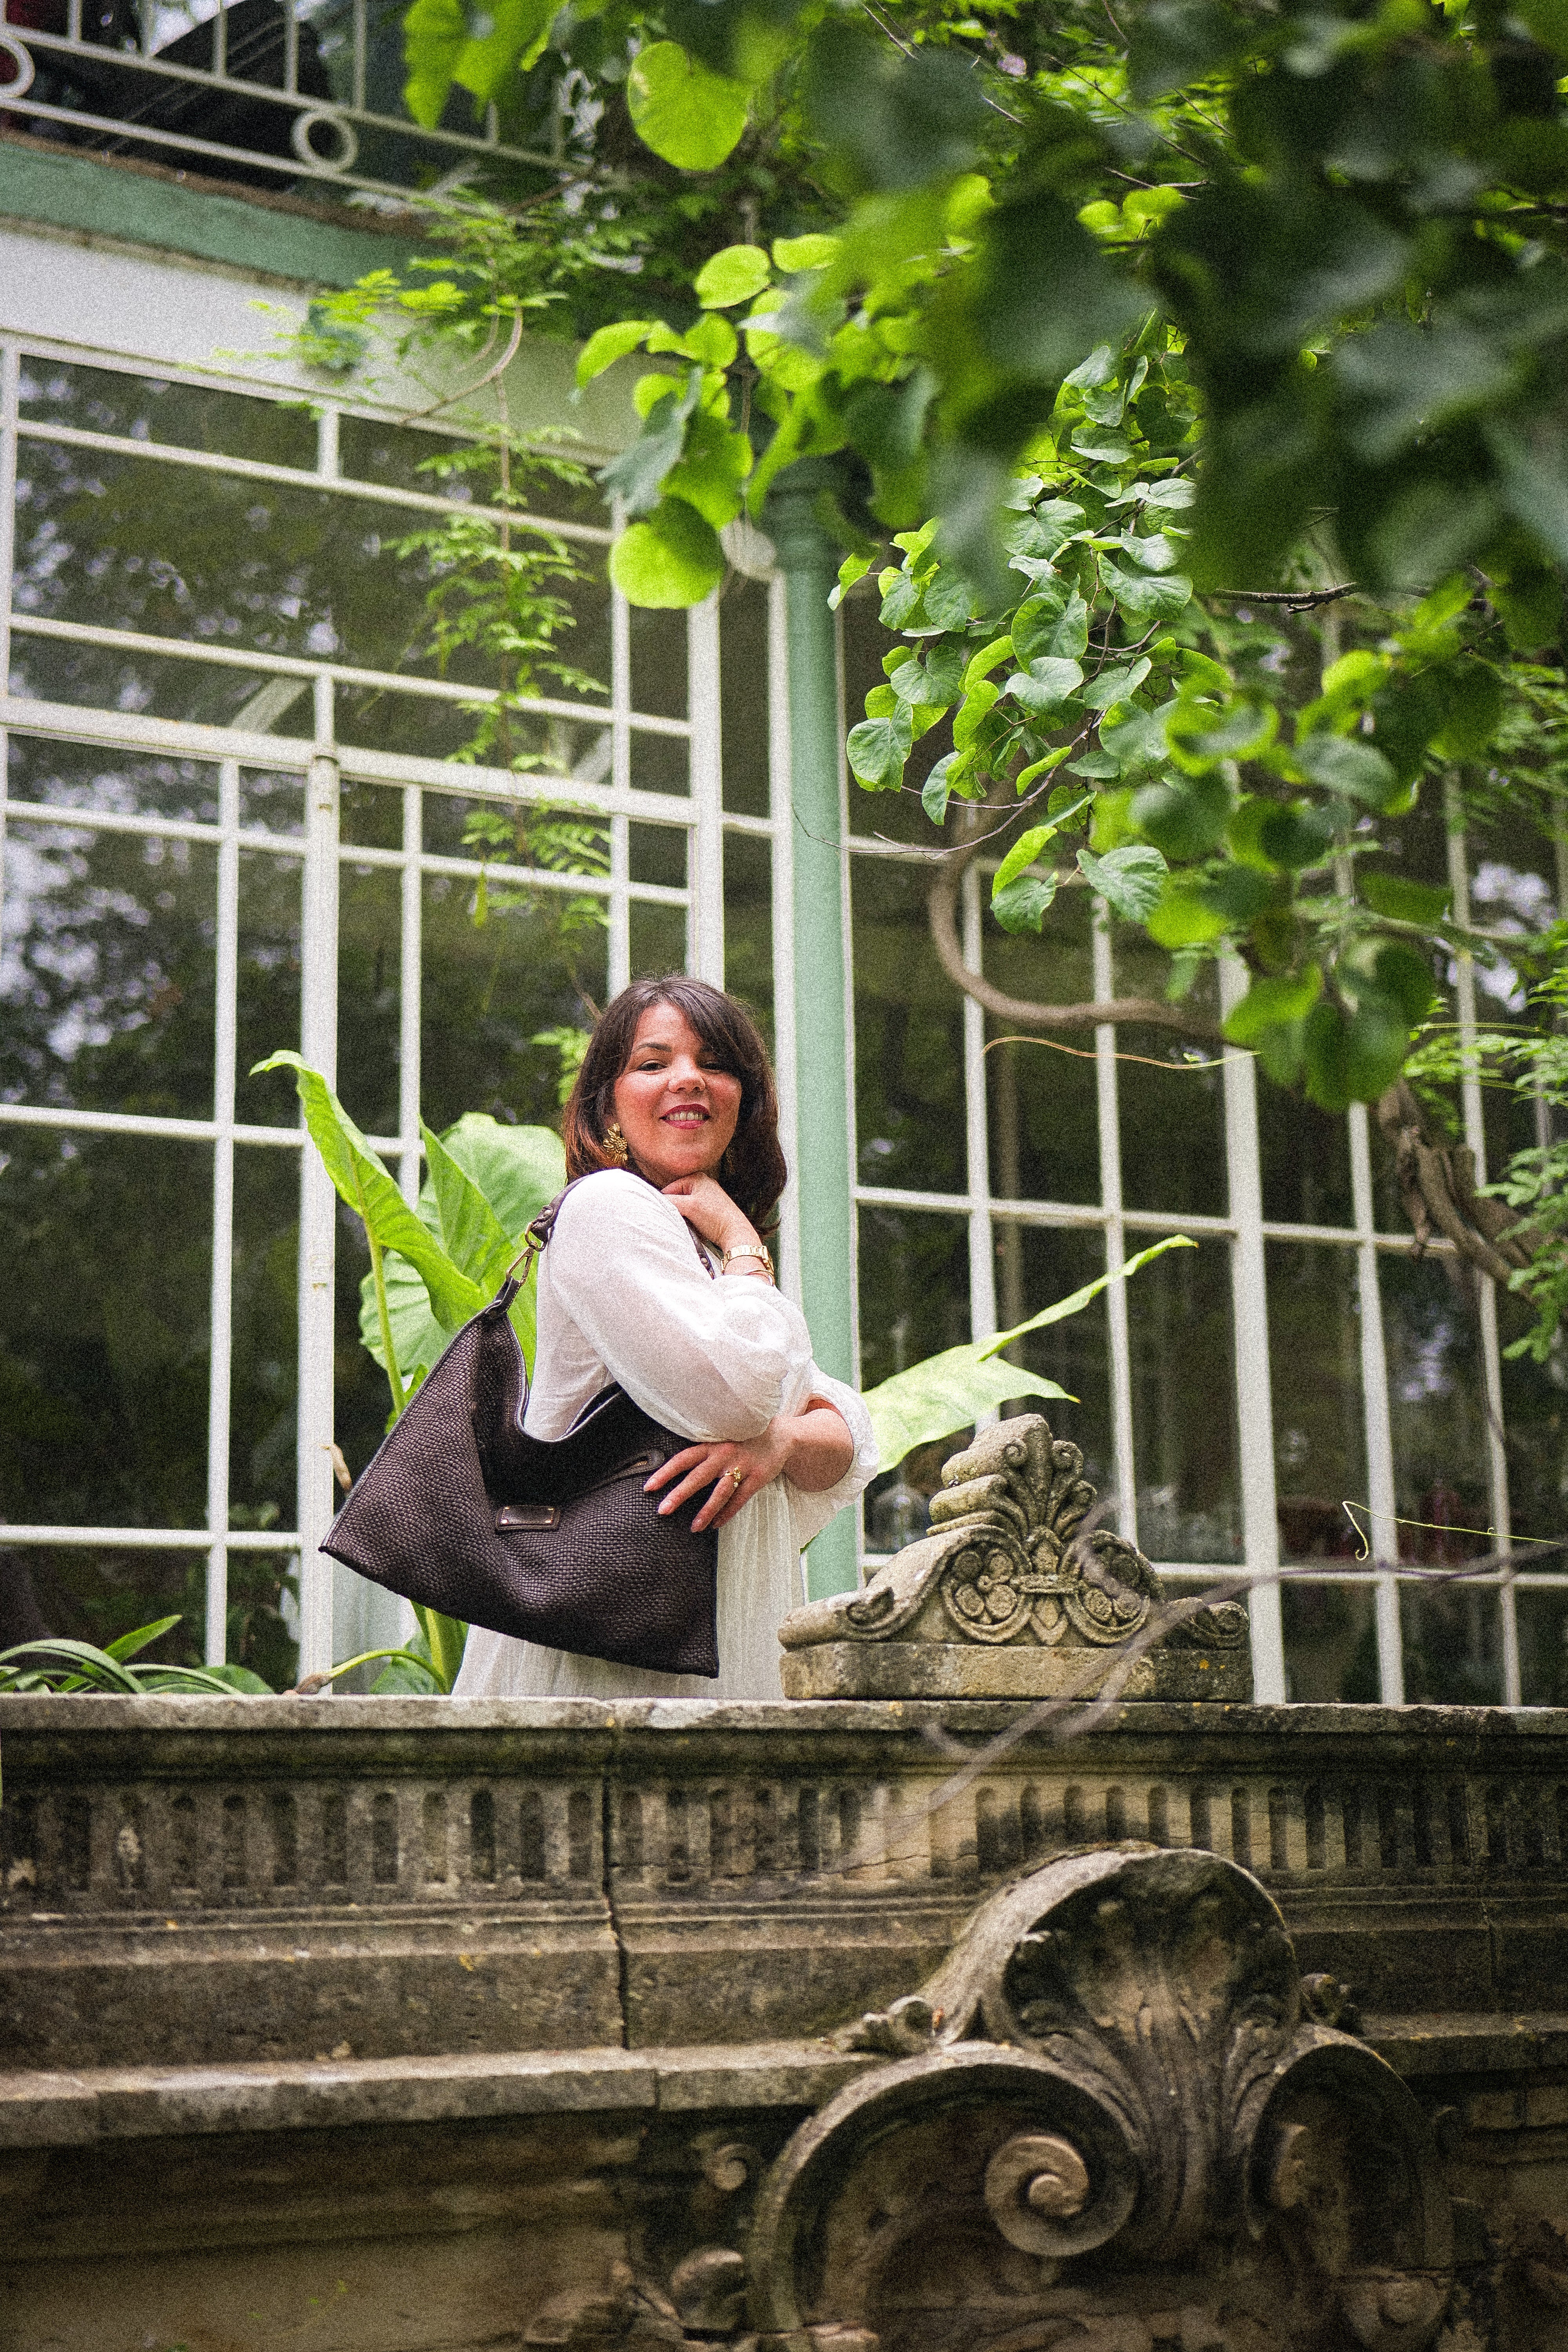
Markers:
<point>823,1146</point>
<point>152,207</point>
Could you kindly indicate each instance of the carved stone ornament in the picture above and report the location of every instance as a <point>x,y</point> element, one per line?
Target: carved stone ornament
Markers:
<point>1012,1594</point>
<point>1125,2129</point>
<point>1122,2125</point>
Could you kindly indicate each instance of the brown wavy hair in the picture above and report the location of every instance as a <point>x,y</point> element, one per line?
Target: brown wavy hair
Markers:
<point>752,1170</point>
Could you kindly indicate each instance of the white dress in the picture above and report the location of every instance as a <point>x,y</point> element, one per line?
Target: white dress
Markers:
<point>624,1296</point>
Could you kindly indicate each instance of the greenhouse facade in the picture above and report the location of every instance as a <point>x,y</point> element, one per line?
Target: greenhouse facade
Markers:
<point>235,821</point>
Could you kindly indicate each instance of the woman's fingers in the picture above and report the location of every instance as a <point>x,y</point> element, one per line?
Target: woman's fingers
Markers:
<point>726,1511</point>
<point>725,1500</point>
<point>706,1463</point>
<point>677,1462</point>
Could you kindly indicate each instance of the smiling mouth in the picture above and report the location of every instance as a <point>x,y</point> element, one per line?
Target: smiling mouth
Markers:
<point>689,1115</point>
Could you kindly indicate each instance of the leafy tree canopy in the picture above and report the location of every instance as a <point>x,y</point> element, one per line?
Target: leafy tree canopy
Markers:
<point>1116,323</point>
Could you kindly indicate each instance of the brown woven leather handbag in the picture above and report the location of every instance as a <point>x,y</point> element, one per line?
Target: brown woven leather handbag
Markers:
<point>461,1510</point>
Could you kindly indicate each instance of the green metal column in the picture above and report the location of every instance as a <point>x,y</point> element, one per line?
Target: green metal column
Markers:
<point>823,1163</point>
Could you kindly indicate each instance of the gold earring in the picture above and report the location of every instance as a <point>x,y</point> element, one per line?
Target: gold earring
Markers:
<point>615,1144</point>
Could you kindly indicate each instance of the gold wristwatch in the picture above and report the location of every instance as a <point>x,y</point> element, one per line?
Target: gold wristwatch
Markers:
<point>749,1249</point>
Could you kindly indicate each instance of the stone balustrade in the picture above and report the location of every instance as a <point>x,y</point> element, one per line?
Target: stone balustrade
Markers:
<point>610,1940</point>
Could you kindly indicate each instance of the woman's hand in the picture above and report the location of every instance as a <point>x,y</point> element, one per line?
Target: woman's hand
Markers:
<point>704,1203</point>
<point>814,1448</point>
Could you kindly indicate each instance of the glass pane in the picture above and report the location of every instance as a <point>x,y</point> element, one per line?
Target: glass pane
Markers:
<point>263,1610</point>
<point>1453,1644</point>
<point>207,694</point>
<point>657,854</point>
<point>661,763</point>
<point>657,939</point>
<point>154,408</point>
<point>1184,1406</point>
<point>1331,1643</point>
<point>914,1301</point>
<point>370,935</point>
<point>1437,1408</point>
<point>107,975</point>
<point>171,551</point>
<point>749,926</point>
<point>417,726</point>
<point>1045,1131</point>
<point>584,646</point>
<point>267,998</point>
<point>1170,1093</point>
<point>491,991</point>
<point>1535,1415</point>
<point>659,663</point>
<point>89,1595</point>
<point>371,816</point>
<point>1542,1616</point>
<point>263,1586</point>
<point>1320,1430</point>
<point>909,1036</point>
<point>401,457</point>
<point>370,450</point>
<point>744,695</point>
<point>264,1382</point>
<point>271,801</point>
<point>1306,1159</point>
<point>122,783</point>
<point>1036,1266</point>
<point>103,1329</point>
<point>502,834</point>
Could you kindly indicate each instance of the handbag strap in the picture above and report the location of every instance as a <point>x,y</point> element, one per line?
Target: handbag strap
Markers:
<point>537,1235</point>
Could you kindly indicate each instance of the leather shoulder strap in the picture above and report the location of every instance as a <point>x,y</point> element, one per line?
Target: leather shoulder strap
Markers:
<point>536,1237</point>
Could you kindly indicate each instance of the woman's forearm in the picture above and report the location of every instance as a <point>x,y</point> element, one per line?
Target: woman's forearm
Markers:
<point>820,1448</point>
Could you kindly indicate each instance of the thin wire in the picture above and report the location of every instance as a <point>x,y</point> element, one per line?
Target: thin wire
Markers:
<point>1087,1054</point>
<point>1434,1527</point>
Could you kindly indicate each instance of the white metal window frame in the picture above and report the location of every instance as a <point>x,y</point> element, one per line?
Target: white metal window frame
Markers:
<point>325,765</point>
<point>1246,1229</point>
<point>324,133</point>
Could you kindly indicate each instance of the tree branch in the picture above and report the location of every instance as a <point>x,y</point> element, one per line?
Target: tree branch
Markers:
<point>1296,600</point>
<point>1151,1012</point>
<point>1437,1187</point>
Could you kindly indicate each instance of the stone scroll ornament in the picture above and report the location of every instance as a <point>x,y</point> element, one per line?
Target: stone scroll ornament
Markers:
<point>1013,1585</point>
<point>1120,2123</point>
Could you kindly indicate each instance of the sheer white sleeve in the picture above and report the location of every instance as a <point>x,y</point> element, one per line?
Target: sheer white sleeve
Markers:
<point>811,1513</point>
<point>710,1358</point>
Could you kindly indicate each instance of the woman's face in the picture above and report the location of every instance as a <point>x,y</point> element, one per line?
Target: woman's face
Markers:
<point>677,1111</point>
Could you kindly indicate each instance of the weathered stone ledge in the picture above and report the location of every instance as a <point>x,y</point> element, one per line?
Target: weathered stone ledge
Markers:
<point>253,1882</point>
<point>79,1735</point>
<point>70,2110</point>
<point>112,2102</point>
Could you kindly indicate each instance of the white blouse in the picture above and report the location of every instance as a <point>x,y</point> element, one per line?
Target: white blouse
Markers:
<point>624,1296</point>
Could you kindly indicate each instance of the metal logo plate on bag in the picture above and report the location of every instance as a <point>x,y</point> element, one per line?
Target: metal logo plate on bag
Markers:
<point>528,1514</point>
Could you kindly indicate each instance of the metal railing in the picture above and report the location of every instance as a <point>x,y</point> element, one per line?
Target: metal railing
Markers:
<point>296,95</point>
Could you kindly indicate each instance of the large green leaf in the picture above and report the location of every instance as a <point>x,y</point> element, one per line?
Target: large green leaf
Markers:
<point>687,115</point>
<point>515,35</point>
<point>735,274</point>
<point>948,1391</point>
<point>637,475</point>
<point>511,1174</point>
<point>469,1231</point>
<point>364,1184</point>
<point>670,561</point>
<point>1131,880</point>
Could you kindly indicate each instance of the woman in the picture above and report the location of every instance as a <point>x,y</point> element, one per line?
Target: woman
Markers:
<point>674,1121</point>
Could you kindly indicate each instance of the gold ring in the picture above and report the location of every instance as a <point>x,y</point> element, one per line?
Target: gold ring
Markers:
<point>736,1474</point>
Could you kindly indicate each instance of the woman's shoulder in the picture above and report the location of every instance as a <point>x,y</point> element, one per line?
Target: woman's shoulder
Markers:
<point>614,1197</point>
